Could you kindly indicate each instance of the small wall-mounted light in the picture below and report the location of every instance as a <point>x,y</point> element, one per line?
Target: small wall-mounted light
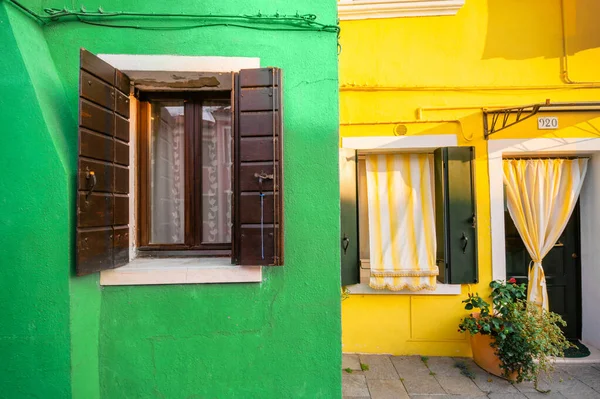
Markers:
<point>400,130</point>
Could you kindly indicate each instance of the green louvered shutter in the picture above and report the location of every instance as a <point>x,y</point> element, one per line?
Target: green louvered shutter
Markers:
<point>349,217</point>
<point>455,215</point>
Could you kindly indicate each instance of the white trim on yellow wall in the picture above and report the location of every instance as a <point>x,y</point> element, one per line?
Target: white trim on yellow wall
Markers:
<point>440,289</point>
<point>521,147</point>
<point>590,211</point>
<point>368,9</point>
<point>400,143</point>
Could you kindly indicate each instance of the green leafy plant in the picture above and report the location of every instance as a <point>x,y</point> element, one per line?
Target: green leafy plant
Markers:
<point>424,359</point>
<point>345,294</point>
<point>525,338</point>
<point>364,367</point>
<point>348,370</point>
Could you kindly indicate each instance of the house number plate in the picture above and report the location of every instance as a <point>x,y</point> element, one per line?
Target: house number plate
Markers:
<point>547,122</point>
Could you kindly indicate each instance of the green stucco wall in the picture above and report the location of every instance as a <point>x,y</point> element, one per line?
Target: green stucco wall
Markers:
<point>277,339</point>
<point>35,253</point>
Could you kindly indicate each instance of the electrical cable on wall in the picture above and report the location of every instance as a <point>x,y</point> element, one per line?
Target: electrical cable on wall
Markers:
<point>259,21</point>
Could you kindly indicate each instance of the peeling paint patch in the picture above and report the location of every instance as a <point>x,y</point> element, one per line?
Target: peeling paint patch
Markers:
<point>184,83</point>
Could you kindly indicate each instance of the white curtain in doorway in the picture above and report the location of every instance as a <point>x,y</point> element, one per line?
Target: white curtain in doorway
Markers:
<point>541,195</point>
<point>401,222</point>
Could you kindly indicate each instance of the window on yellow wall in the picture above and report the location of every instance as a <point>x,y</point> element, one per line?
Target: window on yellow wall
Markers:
<point>450,175</point>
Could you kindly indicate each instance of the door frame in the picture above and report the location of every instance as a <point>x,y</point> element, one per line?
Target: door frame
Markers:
<point>497,149</point>
<point>579,310</point>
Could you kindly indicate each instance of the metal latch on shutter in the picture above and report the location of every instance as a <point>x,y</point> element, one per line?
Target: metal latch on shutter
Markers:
<point>262,176</point>
<point>90,175</point>
<point>345,242</point>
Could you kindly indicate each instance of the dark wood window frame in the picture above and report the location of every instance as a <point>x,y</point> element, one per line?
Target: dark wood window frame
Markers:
<point>193,245</point>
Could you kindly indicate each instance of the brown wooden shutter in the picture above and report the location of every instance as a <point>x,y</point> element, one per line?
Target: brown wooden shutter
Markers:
<point>103,167</point>
<point>258,151</point>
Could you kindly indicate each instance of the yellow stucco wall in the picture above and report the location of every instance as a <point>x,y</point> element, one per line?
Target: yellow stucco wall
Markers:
<point>492,53</point>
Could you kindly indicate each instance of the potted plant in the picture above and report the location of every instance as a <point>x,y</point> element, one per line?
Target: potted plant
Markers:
<point>513,340</point>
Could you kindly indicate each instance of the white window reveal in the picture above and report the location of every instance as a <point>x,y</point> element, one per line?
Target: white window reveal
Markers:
<point>93,183</point>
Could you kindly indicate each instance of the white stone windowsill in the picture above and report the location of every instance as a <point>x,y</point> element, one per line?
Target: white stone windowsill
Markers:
<point>440,289</point>
<point>156,271</point>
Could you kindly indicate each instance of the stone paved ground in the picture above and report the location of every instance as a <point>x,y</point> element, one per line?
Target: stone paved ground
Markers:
<point>397,377</point>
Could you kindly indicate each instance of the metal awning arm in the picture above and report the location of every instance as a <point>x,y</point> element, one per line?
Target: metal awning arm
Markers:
<point>512,116</point>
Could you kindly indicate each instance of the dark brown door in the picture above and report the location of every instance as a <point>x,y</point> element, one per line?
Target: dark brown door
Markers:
<point>562,269</point>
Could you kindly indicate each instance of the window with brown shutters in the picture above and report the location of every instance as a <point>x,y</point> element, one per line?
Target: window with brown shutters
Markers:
<point>103,171</point>
<point>181,220</point>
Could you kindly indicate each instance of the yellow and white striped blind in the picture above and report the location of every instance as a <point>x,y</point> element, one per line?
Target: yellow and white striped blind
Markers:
<point>401,222</point>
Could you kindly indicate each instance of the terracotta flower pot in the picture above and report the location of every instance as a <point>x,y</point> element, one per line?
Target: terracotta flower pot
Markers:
<point>485,356</point>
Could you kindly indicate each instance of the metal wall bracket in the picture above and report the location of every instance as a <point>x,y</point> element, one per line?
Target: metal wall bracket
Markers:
<point>496,120</point>
<point>500,119</point>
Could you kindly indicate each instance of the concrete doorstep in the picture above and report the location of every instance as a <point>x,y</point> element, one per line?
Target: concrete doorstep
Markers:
<point>398,377</point>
